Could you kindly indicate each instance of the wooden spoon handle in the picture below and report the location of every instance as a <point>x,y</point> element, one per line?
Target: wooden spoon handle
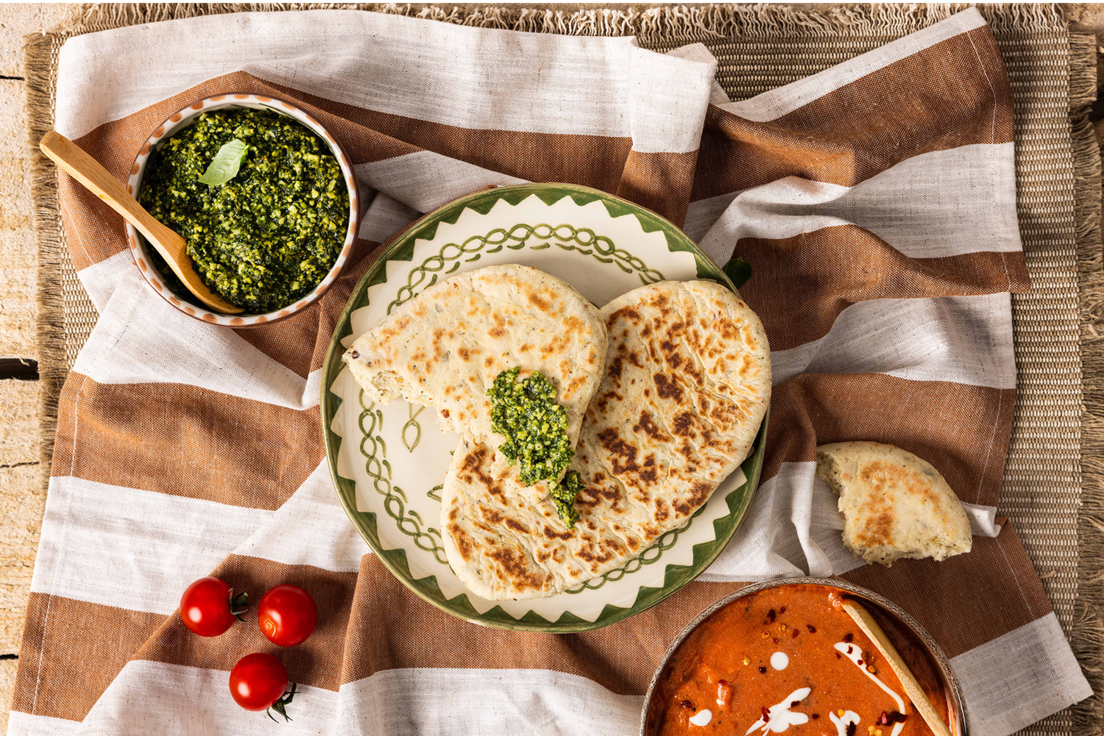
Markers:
<point>912,687</point>
<point>76,162</point>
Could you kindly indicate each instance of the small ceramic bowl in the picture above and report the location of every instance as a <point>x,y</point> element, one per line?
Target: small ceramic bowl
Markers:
<point>956,708</point>
<point>140,248</point>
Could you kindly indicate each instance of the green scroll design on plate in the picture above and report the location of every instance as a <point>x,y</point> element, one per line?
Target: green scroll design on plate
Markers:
<point>394,498</point>
<point>582,240</point>
<point>412,423</point>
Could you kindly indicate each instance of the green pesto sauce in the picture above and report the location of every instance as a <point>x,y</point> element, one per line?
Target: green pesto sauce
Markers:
<point>268,236</point>
<point>535,427</point>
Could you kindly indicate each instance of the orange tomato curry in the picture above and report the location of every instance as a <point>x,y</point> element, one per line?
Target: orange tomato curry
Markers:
<point>788,660</point>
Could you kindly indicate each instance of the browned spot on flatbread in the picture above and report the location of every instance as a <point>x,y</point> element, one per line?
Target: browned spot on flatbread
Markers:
<point>615,367</point>
<point>683,425</point>
<point>698,495</point>
<point>461,539</point>
<point>623,454</point>
<point>592,495</point>
<point>473,466</point>
<point>490,515</point>
<point>666,387</point>
<point>884,481</point>
<point>553,534</point>
<point>647,425</point>
<point>517,568</point>
<point>624,313</point>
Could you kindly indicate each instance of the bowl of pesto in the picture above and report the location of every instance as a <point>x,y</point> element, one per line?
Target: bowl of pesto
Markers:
<point>264,196</point>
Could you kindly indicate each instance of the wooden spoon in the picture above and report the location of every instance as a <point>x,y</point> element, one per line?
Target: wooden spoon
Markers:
<point>88,171</point>
<point>913,690</point>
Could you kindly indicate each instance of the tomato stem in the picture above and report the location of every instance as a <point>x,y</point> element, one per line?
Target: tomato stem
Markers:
<point>239,604</point>
<point>278,706</point>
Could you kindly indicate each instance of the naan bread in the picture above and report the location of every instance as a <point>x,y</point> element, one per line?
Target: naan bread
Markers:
<point>894,504</point>
<point>445,347</point>
<point>686,387</point>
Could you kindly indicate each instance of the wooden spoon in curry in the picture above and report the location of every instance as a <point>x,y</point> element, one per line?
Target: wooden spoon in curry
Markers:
<point>89,172</point>
<point>889,652</point>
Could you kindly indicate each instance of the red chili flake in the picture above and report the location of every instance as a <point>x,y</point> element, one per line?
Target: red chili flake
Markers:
<point>775,640</point>
<point>687,705</point>
<point>445,413</point>
<point>888,719</point>
<point>811,628</point>
<point>795,703</point>
<point>766,714</point>
<point>770,616</point>
<point>839,656</point>
<point>796,632</point>
<point>859,663</point>
<point>722,683</point>
<point>814,716</point>
<point>762,670</point>
<point>782,609</point>
<point>851,728</point>
<point>849,638</point>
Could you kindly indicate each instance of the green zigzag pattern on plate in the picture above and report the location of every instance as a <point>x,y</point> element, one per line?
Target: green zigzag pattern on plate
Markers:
<point>582,240</point>
<point>426,587</point>
<point>409,523</point>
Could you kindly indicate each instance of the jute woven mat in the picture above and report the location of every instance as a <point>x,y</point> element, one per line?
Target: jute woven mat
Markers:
<point>1054,478</point>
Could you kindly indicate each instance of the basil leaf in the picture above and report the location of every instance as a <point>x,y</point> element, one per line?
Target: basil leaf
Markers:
<point>226,163</point>
<point>738,270</point>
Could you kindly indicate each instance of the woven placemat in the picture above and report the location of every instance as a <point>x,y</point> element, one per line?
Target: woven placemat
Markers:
<point>1054,478</point>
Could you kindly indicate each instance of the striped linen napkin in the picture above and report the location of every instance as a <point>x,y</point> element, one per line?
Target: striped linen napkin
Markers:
<point>876,202</point>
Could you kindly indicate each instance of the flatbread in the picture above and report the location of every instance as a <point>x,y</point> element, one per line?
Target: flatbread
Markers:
<point>445,347</point>
<point>894,504</point>
<point>685,390</point>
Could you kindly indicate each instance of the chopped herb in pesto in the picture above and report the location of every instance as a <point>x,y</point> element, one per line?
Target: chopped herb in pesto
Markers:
<point>563,496</point>
<point>535,427</point>
<point>269,233</point>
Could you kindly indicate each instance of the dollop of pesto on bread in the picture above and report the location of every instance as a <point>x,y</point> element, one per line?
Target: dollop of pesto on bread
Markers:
<point>525,412</point>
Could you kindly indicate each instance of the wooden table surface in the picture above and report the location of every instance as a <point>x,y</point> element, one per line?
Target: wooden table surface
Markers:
<point>21,497</point>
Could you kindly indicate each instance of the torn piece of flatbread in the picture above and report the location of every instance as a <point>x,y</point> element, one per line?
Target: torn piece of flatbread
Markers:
<point>445,347</point>
<point>894,504</point>
<point>685,390</point>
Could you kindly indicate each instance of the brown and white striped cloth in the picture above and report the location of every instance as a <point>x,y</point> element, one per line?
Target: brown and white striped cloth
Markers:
<point>875,201</point>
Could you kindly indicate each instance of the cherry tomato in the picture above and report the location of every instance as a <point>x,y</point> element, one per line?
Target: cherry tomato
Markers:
<point>209,606</point>
<point>287,615</point>
<point>258,682</point>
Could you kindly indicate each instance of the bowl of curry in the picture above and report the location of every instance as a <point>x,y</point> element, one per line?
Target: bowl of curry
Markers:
<point>265,197</point>
<point>782,657</point>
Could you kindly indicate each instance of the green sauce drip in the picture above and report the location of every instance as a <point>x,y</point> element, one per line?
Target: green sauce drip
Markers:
<point>535,427</point>
<point>563,496</point>
<point>271,233</point>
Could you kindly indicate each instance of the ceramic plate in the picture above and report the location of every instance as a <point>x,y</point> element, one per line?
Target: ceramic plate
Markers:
<point>388,462</point>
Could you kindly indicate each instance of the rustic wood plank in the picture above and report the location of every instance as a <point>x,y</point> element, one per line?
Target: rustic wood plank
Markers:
<point>22,502</point>
<point>18,423</point>
<point>7,687</point>
<point>19,19</point>
<point>17,245</point>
